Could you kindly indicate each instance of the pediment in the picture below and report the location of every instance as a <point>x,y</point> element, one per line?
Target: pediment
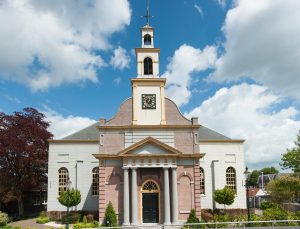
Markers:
<point>150,146</point>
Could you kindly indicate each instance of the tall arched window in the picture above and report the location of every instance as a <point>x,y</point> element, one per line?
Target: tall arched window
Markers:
<point>95,183</point>
<point>202,181</point>
<point>63,176</point>
<point>148,68</point>
<point>231,178</point>
<point>147,39</point>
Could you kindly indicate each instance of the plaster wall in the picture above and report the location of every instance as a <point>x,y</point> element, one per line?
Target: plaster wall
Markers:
<point>70,156</point>
<point>148,116</point>
<point>225,155</point>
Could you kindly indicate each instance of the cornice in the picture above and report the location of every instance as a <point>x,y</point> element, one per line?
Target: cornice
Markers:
<point>146,50</point>
<point>149,127</point>
<point>115,156</point>
<point>149,140</point>
<point>71,141</point>
<point>148,80</point>
<point>222,140</point>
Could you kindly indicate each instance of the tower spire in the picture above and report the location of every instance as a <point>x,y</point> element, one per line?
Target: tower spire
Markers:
<point>148,16</point>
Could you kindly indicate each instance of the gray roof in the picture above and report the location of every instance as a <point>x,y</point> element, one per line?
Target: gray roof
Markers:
<point>208,134</point>
<point>92,133</point>
<point>88,133</point>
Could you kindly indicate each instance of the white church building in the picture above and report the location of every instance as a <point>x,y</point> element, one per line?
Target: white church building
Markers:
<point>150,161</point>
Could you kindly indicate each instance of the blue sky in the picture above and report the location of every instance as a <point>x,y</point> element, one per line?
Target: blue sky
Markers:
<point>232,64</point>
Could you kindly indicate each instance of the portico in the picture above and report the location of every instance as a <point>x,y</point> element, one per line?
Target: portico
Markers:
<point>168,216</point>
<point>150,162</point>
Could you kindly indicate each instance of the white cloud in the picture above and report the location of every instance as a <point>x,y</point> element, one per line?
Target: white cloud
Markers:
<point>262,42</point>
<point>117,81</point>
<point>199,9</point>
<point>46,43</point>
<point>61,126</point>
<point>245,111</point>
<point>120,59</point>
<point>185,61</point>
<point>222,2</point>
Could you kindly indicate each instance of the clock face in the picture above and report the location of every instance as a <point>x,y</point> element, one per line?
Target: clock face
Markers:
<point>148,101</point>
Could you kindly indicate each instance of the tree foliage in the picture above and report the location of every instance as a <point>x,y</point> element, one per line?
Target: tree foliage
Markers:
<point>23,153</point>
<point>110,217</point>
<point>70,197</point>
<point>255,174</point>
<point>284,189</point>
<point>291,159</point>
<point>224,196</point>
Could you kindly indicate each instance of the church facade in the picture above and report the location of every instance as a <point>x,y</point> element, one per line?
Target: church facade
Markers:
<point>151,162</point>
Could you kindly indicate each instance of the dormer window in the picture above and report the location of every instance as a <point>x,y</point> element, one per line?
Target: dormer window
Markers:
<point>147,39</point>
<point>148,66</point>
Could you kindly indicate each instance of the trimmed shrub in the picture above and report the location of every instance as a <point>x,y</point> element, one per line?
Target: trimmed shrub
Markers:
<point>42,220</point>
<point>43,214</point>
<point>192,217</point>
<point>110,217</point>
<point>84,220</point>
<point>95,224</point>
<point>266,204</point>
<point>73,217</point>
<point>3,219</point>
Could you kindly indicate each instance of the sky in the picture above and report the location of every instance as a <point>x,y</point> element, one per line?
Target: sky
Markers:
<point>234,64</point>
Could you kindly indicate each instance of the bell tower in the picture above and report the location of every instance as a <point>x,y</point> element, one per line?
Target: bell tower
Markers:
<point>148,88</point>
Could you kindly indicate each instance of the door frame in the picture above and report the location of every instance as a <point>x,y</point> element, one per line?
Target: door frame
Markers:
<point>142,191</point>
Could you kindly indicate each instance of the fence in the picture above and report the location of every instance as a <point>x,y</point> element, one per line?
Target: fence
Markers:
<point>240,224</point>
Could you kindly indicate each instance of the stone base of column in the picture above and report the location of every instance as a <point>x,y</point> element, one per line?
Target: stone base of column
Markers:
<point>126,224</point>
<point>167,224</point>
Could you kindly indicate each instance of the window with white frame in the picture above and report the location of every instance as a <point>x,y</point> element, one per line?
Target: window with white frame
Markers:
<point>202,181</point>
<point>63,176</point>
<point>95,183</point>
<point>231,178</point>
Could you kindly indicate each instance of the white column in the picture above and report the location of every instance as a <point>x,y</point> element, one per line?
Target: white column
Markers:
<point>166,197</point>
<point>126,198</point>
<point>174,197</point>
<point>134,220</point>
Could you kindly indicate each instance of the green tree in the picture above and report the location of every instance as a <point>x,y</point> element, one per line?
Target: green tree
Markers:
<point>269,170</point>
<point>224,196</point>
<point>284,189</point>
<point>291,159</point>
<point>110,217</point>
<point>255,174</point>
<point>70,197</point>
<point>253,178</point>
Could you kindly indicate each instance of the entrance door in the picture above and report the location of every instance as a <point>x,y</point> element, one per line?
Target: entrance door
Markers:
<point>150,207</point>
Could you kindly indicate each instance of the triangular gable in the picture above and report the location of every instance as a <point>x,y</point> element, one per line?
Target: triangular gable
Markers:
<point>153,143</point>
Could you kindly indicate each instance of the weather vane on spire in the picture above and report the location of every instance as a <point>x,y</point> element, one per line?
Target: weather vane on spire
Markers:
<point>148,16</point>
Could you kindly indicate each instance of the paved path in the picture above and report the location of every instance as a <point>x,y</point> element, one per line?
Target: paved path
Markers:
<point>31,223</point>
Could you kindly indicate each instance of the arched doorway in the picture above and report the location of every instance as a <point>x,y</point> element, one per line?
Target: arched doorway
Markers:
<point>150,202</point>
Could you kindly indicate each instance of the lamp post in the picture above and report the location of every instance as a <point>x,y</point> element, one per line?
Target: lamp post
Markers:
<point>246,173</point>
<point>68,185</point>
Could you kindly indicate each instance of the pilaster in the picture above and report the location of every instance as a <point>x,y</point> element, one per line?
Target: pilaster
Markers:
<point>197,191</point>
<point>102,201</point>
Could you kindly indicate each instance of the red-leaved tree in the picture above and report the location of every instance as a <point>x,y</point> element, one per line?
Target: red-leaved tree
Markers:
<point>23,153</point>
